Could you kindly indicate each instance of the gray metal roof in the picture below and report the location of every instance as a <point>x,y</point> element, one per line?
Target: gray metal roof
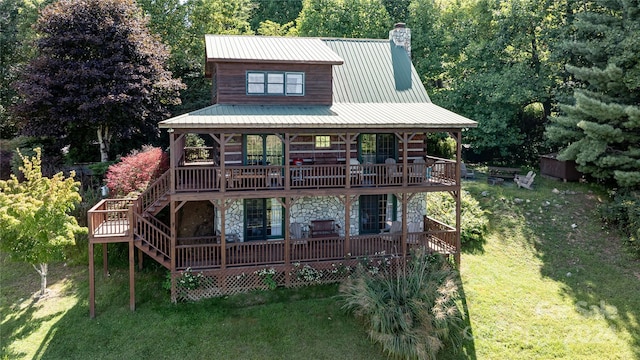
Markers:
<point>338,116</point>
<point>377,87</point>
<point>374,71</point>
<point>242,48</point>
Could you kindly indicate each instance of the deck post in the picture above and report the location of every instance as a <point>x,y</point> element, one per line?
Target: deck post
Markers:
<point>458,192</point>
<point>132,283</point>
<point>347,226</point>
<point>105,261</point>
<point>172,249</point>
<point>405,217</point>
<point>92,282</point>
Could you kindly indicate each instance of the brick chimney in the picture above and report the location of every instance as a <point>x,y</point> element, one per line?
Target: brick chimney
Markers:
<point>401,36</point>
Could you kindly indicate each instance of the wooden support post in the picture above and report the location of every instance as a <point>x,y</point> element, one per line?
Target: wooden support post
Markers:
<point>140,259</point>
<point>405,217</point>
<point>287,162</point>
<point>405,159</point>
<point>347,226</point>
<point>347,161</point>
<point>132,283</point>
<point>172,249</point>
<point>223,238</point>
<point>458,197</point>
<point>105,262</point>
<point>92,282</point>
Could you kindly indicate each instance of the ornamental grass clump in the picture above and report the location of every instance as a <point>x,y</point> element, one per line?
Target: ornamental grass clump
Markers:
<point>414,312</point>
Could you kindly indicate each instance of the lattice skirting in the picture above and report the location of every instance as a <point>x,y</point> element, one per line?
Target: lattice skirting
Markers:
<point>219,282</point>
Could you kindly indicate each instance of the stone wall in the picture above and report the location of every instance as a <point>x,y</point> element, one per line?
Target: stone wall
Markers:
<point>309,208</point>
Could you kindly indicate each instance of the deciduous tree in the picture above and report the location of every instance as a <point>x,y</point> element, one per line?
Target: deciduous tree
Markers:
<point>99,75</point>
<point>35,224</point>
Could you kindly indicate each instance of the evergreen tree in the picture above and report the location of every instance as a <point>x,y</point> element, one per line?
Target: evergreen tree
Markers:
<point>600,128</point>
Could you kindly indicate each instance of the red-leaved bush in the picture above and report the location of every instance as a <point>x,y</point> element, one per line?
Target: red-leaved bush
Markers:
<point>135,172</point>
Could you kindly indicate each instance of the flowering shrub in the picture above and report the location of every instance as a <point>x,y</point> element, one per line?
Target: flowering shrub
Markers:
<point>306,273</point>
<point>136,171</point>
<point>188,280</point>
<point>268,277</point>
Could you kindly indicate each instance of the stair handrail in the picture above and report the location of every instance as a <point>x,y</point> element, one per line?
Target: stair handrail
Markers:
<point>162,240</point>
<point>156,190</point>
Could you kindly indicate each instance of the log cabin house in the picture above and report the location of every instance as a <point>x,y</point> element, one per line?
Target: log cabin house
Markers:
<point>312,154</point>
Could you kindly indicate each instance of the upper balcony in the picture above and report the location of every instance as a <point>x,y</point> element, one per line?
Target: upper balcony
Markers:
<point>202,176</point>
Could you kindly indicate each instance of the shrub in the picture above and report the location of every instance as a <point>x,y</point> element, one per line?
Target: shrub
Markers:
<point>623,212</point>
<point>414,313</point>
<point>134,173</point>
<point>442,206</point>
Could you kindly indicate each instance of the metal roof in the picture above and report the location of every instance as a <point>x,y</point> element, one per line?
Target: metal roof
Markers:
<point>374,71</point>
<point>422,115</point>
<point>377,87</point>
<point>242,48</point>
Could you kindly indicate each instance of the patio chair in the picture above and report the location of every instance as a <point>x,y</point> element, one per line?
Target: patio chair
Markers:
<point>355,169</point>
<point>466,173</point>
<point>394,175</point>
<point>296,230</point>
<point>420,171</point>
<point>525,181</point>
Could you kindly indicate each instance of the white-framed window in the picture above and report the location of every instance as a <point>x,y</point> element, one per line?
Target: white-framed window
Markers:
<point>275,83</point>
<point>323,141</point>
<point>255,82</point>
<point>295,83</point>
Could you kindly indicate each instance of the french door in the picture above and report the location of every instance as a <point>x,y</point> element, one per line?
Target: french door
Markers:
<point>263,149</point>
<point>262,219</point>
<point>376,211</point>
<point>376,148</point>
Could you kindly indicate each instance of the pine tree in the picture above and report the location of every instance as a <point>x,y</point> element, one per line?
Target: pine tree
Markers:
<point>600,128</point>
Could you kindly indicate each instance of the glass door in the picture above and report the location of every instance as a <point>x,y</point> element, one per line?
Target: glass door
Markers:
<point>263,219</point>
<point>376,148</point>
<point>263,150</point>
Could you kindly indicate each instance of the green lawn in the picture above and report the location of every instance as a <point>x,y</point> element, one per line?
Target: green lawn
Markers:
<point>539,288</point>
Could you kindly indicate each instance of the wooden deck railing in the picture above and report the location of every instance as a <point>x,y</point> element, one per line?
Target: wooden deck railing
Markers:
<point>258,177</point>
<point>445,233</point>
<point>153,235</point>
<point>206,253</point>
<point>111,218</point>
<point>155,191</point>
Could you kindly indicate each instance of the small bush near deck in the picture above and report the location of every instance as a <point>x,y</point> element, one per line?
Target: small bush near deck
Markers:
<point>135,172</point>
<point>442,207</point>
<point>623,212</point>
<point>414,313</point>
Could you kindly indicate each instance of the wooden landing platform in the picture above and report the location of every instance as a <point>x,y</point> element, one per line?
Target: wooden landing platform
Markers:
<point>112,231</point>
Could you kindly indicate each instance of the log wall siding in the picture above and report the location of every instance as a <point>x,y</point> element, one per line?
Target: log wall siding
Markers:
<point>303,147</point>
<point>230,84</point>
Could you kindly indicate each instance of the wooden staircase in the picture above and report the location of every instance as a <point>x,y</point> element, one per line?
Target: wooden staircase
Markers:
<point>150,234</point>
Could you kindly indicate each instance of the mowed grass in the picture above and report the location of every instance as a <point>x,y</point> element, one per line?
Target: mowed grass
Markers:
<point>550,282</point>
<point>539,288</point>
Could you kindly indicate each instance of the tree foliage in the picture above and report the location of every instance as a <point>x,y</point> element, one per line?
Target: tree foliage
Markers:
<point>35,224</point>
<point>280,12</point>
<point>16,36</point>
<point>134,173</point>
<point>600,127</point>
<point>99,74</point>
<point>344,18</point>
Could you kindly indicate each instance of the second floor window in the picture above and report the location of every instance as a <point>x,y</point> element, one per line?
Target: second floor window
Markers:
<point>275,83</point>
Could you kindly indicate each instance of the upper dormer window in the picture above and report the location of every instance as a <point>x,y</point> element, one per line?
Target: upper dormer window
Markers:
<point>275,83</point>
